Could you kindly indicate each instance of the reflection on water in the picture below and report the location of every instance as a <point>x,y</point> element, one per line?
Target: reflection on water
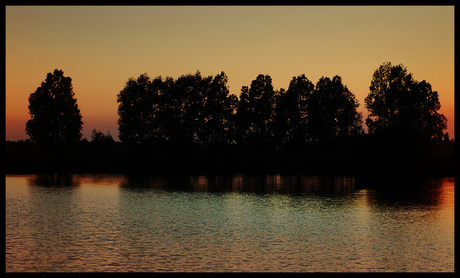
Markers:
<point>228,223</point>
<point>53,180</point>
<point>293,184</point>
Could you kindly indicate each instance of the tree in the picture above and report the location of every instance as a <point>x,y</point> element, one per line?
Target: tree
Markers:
<point>332,110</point>
<point>399,104</point>
<point>218,112</point>
<point>169,112</point>
<point>137,109</point>
<point>192,109</point>
<point>99,138</point>
<point>280,123</point>
<point>296,105</point>
<point>192,90</point>
<point>55,116</point>
<point>182,104</point>
<point>255,111</point>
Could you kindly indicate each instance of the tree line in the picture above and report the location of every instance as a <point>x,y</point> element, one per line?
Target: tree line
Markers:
<point>200,109</point>
<point>159,116</point>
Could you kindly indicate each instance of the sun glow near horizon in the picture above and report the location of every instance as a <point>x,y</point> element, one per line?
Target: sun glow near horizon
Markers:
<point>101,47</point>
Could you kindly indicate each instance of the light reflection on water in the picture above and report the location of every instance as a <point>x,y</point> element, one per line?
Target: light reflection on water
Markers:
<point>226,223</point>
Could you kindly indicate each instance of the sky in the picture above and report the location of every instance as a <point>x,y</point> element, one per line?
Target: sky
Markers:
<point>101,47</point>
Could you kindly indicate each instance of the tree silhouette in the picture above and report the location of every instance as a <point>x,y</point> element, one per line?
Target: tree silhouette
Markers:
<point>280,124</point>
<point>218,112</point>
<point>99,138</point>
<point>169,109</point>
<point>192,109</point>
<point>296,105</point>
<point>332,110</point>
<point>137,108</point>
<point>255,111</point>
<point>181,107</point>
<point>55,116</point>
<point>192,124</point>
<point>399,104</point>
<point>192,90</point>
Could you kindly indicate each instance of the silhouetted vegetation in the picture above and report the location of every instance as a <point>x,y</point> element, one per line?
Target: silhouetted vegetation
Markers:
<point>292,110</point>
<point>55,116</point>
<point>400,105</point>
<point>255,115</point>
<point>192,109</point>
<point>332,111</point>
<point>194,124</point>
<point>404,123</point>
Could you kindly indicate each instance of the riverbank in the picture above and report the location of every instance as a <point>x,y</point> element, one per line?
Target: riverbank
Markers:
<point>352,158</point>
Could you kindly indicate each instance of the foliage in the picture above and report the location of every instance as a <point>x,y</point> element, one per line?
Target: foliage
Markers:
<point>195,122</point>
<point>255,115</point>
<point>296,107</point>
<point>191,109</point>
<point>401,105</point>
<point>180,108</point>
<point>332,111</point>
<point>218,112</point>
<point>55,116</point>
<point>137,110</point>
<point>99,138</point>
<point>280,123</point>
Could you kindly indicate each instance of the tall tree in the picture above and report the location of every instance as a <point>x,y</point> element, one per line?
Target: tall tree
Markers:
<point>280,123</point>
<point>242,122</point>
<point>399,104</point>
<point>55,116</point>
<point>332,110</point>
<point>183,102</point>
<point>137,107</point>
<point>170,111</point>
<point>296,105</point>
<point>255,111</point>
<point>218,112</point>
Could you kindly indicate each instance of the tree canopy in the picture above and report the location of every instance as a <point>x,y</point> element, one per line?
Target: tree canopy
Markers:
<point>99,138</point>
<point>255,111</point>
<point>332,110</point>
<point>399,104</point>
<point>190,109</point>
<point>195,120</point>
<point>137,110</point>
<point>218,112</point>
<point>296,107</point>
<point>197,109</point>
<point>55,116</point>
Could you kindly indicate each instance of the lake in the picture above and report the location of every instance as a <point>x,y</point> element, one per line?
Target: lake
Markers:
<point>248,223</point>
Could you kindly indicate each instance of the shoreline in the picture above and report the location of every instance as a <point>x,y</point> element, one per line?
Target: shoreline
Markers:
<point>352,158</point>
<point>140,166</point>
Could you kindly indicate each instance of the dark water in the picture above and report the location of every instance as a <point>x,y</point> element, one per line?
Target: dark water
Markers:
<point>228,223</point>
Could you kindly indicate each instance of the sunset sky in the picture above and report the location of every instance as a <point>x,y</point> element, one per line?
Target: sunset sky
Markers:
<point>101,47</point>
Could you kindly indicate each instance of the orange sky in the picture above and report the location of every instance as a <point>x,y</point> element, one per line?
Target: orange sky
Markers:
<point>101,47</point>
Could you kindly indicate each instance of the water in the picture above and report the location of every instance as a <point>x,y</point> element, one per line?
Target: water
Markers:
<point>226,223</point>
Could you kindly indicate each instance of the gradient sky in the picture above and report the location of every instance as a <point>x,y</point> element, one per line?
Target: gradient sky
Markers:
<point>101,47</point>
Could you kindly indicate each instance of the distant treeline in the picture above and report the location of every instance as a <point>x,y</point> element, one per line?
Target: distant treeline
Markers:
<point>195,122</point>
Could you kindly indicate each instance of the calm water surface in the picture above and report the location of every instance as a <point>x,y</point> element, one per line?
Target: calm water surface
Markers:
<point>227,223</point>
